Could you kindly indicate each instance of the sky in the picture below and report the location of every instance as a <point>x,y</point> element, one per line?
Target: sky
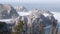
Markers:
<point>41,3</point>
<point>32,1</point>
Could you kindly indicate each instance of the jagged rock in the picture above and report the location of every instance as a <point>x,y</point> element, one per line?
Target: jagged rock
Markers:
<point>7,12</point>
<point>21,9</point>
<point>35,18</point>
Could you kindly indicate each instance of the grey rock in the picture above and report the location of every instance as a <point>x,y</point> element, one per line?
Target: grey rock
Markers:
<point>7,12</point>
<point>36,18</point>
<point>21,9</point>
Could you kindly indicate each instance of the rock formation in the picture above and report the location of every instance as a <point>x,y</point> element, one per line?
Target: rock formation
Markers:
<point>36,18</point>
<point>7,12</point>
<point>21,9</point>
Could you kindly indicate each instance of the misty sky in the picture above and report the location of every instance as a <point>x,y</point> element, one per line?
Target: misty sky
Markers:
<point>33,1</point>
<point>54,4</point>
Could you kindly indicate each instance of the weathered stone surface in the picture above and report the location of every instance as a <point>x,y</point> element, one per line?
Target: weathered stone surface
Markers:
<point>7,12</point>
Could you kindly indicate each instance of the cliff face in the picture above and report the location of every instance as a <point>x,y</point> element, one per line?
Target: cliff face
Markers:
<point>7,12</point>
<point>37,15</point>
<point>37,18</point>
<point>38,21</point>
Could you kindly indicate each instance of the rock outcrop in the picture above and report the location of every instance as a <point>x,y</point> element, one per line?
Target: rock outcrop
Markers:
<point>38,15</point>
<point>7,12</point>
<point>37,20</point>
<point>21,9</point>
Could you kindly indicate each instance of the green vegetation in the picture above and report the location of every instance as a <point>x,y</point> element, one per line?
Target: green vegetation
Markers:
<point>18,28</point>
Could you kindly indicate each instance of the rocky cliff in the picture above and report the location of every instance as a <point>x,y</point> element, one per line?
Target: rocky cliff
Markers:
<point>7,12</point>
<point>38,20</point>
